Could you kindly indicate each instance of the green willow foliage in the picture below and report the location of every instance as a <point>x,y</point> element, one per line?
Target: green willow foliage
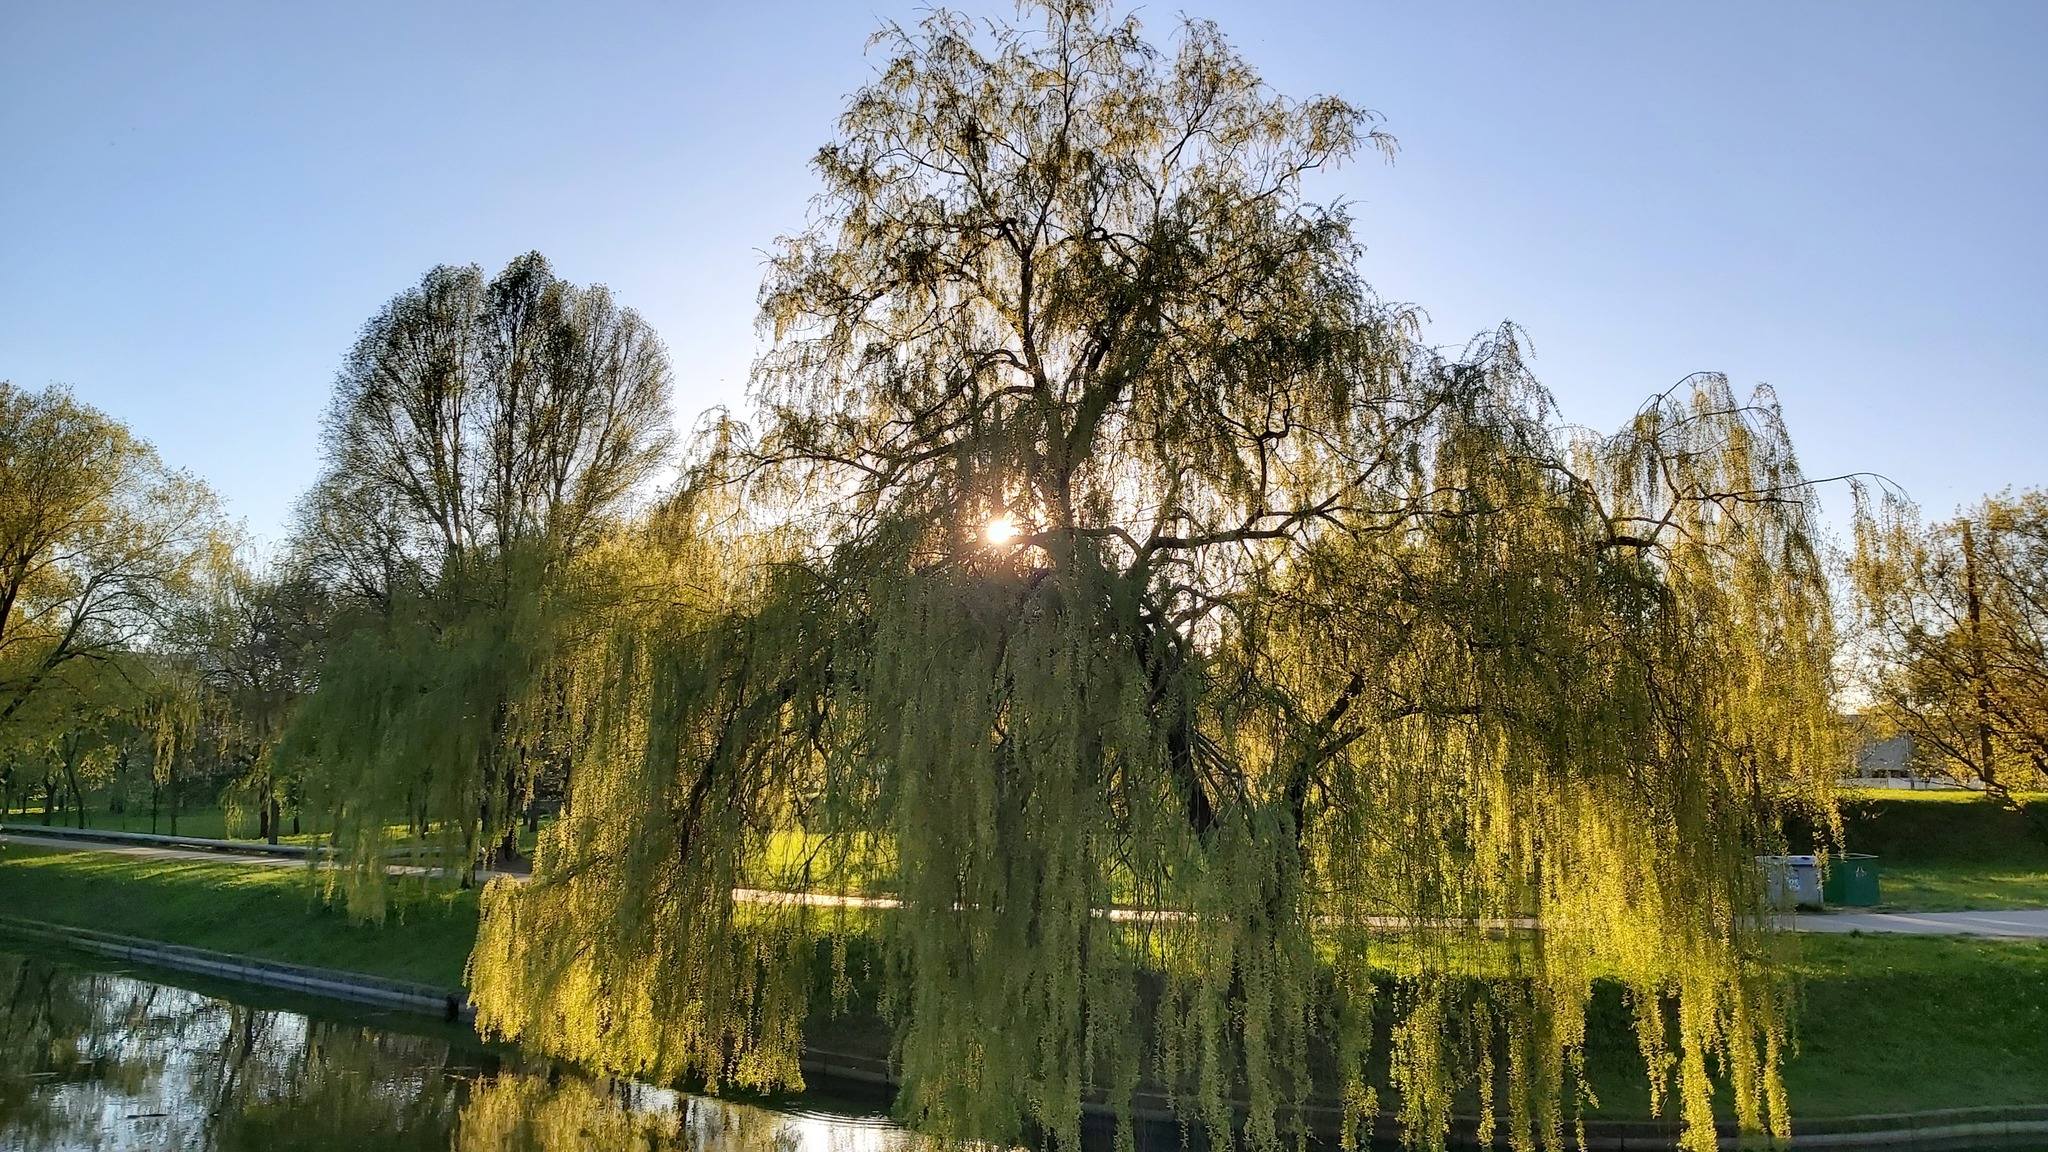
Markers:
<point>1240,701</point>
<point>418,728</point>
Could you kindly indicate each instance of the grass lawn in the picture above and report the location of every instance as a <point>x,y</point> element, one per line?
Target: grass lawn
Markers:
<point>1907,1023</point>
<point>1886,1024</point>
<point>268,911</point>
<point>1962,887</point>
<point>208,823</point>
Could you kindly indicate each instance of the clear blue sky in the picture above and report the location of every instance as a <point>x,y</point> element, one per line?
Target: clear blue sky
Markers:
<point>201,202</point>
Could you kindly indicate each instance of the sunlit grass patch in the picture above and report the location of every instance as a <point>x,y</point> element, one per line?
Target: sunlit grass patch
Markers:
<point>273,912</point>
<point>1963,887</point>
<point>1904,1023</point>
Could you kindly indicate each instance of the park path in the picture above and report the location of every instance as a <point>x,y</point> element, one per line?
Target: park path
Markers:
<point>2029,924</point>
<point>2024,923</point>
<point>147,851</point>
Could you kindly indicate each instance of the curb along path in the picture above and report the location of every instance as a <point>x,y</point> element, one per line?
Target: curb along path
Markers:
<point>327,983</point>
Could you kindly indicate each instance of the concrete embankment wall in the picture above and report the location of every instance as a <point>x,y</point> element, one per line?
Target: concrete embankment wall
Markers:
<point>332,984</point>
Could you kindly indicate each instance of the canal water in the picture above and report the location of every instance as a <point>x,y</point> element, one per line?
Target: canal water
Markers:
<point>112,1060</point>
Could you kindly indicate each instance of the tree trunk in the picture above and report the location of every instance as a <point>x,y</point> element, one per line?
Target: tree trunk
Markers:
<point>508,844</point>
<point>69,759</point>
<point>1979,669</point>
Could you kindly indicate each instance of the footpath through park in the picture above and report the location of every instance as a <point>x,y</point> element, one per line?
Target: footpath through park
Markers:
<point>2021,924</point>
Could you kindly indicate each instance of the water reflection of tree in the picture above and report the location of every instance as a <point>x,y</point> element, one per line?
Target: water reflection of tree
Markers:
<point>54,1063</point>
<point>563,1113</point>
<point>329,1086</point>
<point>101,1060</point>
<point>81,1051</point>
<point>578,1114</point>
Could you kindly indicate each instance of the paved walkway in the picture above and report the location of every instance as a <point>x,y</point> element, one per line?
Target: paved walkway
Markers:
<point>149,851</point>
<point>2029,923</point>
<point>251,856</point>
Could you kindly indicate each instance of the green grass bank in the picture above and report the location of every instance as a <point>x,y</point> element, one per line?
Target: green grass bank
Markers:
<point>272,911</point>
<point>1911,1023</point>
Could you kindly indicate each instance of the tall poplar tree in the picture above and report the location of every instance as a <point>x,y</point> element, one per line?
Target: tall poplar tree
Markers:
<point>1206,668</point>
<point>484,438</point>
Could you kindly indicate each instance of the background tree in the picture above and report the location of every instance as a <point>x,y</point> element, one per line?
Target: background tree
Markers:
<point>475,422</point>
<point>82,747</point>
<point>98,540</point>
<point>254,642</point>
<point>1954,630</point>
<point>102,734</point>
<point>1106,542</point>
<point>483,437</point>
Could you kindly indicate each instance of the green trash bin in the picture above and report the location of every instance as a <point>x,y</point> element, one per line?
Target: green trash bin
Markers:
<point>1851,880</point>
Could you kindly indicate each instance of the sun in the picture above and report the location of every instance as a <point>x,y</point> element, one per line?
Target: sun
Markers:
<point>1002,529</point>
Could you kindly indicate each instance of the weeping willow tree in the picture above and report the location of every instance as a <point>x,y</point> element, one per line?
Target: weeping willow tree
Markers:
<point>1239,702</point>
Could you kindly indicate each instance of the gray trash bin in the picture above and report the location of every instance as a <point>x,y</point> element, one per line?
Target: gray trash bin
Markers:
<point>1791,881</point>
